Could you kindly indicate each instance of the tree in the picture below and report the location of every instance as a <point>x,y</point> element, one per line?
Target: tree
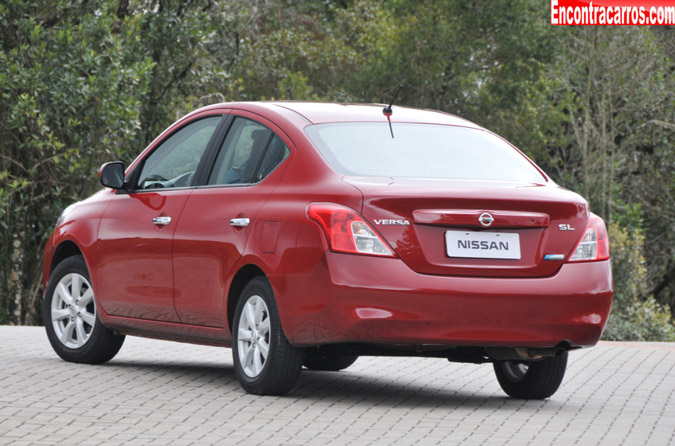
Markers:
<point>613,92</point>
<point>71,102</point>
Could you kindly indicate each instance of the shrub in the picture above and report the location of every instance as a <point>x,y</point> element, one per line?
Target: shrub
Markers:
<point>635,316</point>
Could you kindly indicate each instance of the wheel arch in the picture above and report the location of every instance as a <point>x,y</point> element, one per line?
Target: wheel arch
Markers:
<point>245,274</point>
<point>65,249</point>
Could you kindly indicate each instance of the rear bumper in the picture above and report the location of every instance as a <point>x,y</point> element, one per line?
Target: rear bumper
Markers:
<point>377,300</point>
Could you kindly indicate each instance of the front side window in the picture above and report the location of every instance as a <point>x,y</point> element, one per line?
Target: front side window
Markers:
<point>420,151</point>
<point>175,161</point>
<point>250,151</point>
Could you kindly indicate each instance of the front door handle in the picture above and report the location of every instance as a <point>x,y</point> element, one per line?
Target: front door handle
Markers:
<point>163,221</point>
<point>240,222</point>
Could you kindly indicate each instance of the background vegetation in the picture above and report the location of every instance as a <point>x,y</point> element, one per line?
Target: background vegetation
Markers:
<point>83,82</point>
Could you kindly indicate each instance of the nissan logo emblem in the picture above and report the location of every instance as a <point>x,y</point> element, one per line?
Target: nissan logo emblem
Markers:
<point>485,219</point>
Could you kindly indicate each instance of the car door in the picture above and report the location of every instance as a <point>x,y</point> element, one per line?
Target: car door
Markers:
<point>134,271</point>
<point>219,217</point>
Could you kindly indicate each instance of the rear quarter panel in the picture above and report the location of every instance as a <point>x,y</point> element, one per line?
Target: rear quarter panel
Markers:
<point>292,256</point>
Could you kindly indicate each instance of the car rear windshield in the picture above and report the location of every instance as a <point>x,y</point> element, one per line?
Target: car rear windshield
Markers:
<point>420,151</point>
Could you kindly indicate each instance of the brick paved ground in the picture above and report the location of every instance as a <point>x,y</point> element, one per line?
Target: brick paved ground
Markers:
<point>161,393</point>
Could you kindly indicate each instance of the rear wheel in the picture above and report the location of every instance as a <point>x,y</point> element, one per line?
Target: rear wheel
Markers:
<point>73,328</point>
<point>265,363</point>
<point>329,363</point>
<point>531,380</point>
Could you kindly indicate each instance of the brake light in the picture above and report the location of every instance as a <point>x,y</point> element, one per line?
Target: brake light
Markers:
<point>347,231</point>
<point>594,245</point>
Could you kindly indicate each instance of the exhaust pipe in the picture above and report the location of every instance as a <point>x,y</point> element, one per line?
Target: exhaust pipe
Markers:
<point>529,354</point>
<point>526,353</point>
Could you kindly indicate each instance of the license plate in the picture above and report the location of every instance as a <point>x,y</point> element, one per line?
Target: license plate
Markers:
<point>482,245</point>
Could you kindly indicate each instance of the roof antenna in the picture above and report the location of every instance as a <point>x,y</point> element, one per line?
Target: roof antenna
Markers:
<point>387,111</point>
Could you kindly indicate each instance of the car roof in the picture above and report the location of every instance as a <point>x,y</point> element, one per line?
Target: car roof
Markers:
<point>324,112</point>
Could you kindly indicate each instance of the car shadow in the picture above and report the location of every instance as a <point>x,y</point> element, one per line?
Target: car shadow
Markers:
<point>351,387</point>
<point>345,387</point>
<point>191,374</point>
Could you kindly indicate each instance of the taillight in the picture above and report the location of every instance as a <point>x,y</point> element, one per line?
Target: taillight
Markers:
<point>594,245</point>
<point>347,231</point>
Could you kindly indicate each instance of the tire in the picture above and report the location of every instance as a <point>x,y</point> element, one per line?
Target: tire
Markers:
<point>329,363</point>
<point>531,380</point>
<point>73,327</point>
<point>256,327</point>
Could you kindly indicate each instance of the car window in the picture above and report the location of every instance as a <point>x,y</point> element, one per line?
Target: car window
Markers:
<point>174,162</point>
<point>276,152</point>
<point>420,151</point>
<point>240,153</point>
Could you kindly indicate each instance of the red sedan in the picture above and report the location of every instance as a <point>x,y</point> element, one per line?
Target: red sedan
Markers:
<point>308,234</point>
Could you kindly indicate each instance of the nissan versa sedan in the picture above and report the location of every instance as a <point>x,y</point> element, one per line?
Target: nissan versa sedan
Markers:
<point>309,234</point>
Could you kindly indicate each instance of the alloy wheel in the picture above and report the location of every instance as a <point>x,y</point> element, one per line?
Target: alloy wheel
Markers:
<point>253,339</point>
<point>73,311</point>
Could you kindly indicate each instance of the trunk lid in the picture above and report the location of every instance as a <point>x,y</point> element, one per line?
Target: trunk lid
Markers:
<point>435,227</point>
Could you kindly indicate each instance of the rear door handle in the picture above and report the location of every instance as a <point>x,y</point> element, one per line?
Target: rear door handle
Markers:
<point>163,221</point>
<point>240,222</point>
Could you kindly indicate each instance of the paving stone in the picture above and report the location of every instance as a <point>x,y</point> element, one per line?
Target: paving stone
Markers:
<point>164,393</point>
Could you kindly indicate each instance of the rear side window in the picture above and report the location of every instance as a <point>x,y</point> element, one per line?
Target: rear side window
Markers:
<point>250,151</point>
<point>420,151</point>
<point>276,152</point>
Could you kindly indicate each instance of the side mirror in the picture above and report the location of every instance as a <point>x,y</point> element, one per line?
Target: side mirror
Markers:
<point>112,174</point>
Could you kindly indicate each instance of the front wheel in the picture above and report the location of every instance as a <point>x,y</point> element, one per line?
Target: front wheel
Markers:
<point>265,363</point>
<point>73,328</point>
<point>531,379</point>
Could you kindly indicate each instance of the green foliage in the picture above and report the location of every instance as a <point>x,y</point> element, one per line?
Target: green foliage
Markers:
<point>178,37</point>
<point>87,82</point>
<point>608,131</point>
<point>295,86</point>
<point>634,317</point>
<point>70,103</point>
